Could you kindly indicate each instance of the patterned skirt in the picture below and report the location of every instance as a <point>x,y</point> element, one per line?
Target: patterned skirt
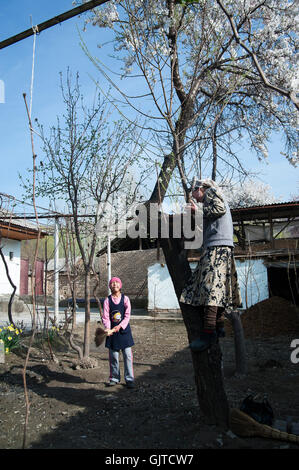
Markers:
<point>214,281</point>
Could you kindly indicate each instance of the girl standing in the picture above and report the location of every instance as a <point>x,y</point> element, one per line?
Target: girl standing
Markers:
<point>116,318</point>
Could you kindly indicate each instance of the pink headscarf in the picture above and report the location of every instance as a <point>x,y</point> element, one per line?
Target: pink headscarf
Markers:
<point>116,279</point>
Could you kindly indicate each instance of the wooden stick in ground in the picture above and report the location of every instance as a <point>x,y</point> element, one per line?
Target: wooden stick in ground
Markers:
<point>32,282</point>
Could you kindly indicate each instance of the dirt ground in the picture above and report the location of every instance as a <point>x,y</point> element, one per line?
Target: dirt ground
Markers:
<point>75,409</point>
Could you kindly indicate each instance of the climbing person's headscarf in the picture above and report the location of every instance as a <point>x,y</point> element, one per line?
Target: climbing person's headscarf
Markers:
<point>207,184</point>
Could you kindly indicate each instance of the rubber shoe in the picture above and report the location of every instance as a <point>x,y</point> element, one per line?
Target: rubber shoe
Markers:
<point>112,383</point>
<point>204,341</point>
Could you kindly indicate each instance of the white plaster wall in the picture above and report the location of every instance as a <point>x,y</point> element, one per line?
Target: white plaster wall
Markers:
<point>252,276</point>
<point>161,293</point>
<point>14,266</point>
<point>253,281</point>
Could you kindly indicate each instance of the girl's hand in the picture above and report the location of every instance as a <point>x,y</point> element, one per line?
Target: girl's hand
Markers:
<point>109,332</point>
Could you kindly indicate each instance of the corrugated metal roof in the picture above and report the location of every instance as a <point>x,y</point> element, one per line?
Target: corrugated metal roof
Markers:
<point>267,206</point>
<point>280,210</point>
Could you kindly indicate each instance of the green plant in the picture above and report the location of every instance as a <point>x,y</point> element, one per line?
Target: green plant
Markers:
<point>53,333</point>
<point>11,337</point>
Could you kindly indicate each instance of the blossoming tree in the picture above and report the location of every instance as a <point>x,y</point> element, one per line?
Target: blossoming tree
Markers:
<point>206,73</point>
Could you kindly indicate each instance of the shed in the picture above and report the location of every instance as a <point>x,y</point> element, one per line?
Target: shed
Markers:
<point>276,229</point>
<point>12,232</point>
<point>269,235</point>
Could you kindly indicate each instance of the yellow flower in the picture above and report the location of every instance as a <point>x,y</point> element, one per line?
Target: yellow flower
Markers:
<point>1,341</point>
<point>0,330</point>
<point>6,350</point>
<point>9,338</point>
<point>17,332</point>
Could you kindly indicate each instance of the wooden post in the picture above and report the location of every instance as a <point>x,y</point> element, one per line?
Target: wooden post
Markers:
<point>240,351</point>
<point>243,236</point>
<point>272,241</point>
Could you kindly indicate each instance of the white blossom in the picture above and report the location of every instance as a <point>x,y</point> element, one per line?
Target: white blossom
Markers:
<point>250,193</point>
<point>206,48</point>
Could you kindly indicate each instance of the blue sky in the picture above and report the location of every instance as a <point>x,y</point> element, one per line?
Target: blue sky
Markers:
<point>56,49</point>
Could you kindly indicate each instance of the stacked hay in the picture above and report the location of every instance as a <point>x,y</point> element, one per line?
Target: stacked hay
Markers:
<point>271,317</point>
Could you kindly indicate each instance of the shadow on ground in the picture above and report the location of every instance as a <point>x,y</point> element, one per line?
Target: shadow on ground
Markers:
<point>75,409</point>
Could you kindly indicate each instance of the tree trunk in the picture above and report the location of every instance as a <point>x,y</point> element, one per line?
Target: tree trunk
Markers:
<point>208,364</point>
<point>166,171</point>
<point>208,375</point>
<point>86,346</point>
<point>74,299</point>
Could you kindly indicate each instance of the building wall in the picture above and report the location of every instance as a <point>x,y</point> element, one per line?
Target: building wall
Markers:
<point>64,286</point>
<point>252,276</point>
<point>8,246</point>
<point>253,281</point>
<point>147,280</point>
<point>161,293</point>
<point>130,266</point>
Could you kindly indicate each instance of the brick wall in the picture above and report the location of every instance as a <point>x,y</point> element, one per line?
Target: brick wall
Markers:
<point>129,266</point>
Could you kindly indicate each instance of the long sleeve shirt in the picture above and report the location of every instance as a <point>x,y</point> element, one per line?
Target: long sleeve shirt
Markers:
<point>106,314</point>
<point>213,204</point>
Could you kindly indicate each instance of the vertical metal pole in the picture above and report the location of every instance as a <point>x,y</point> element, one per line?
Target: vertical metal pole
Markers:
<point>56,270</point>
<point>108,262</point>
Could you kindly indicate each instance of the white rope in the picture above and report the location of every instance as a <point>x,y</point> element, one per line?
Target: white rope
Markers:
<point>35,31</point>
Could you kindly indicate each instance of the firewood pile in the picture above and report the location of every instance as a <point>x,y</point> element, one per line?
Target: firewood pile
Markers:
<point>271,317</point>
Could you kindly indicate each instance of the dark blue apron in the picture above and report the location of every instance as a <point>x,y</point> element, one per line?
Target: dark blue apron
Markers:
<point>123,338</point>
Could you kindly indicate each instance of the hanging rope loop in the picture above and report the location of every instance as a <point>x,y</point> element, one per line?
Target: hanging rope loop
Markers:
<point>35,32</point>
<point>35,29</point>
